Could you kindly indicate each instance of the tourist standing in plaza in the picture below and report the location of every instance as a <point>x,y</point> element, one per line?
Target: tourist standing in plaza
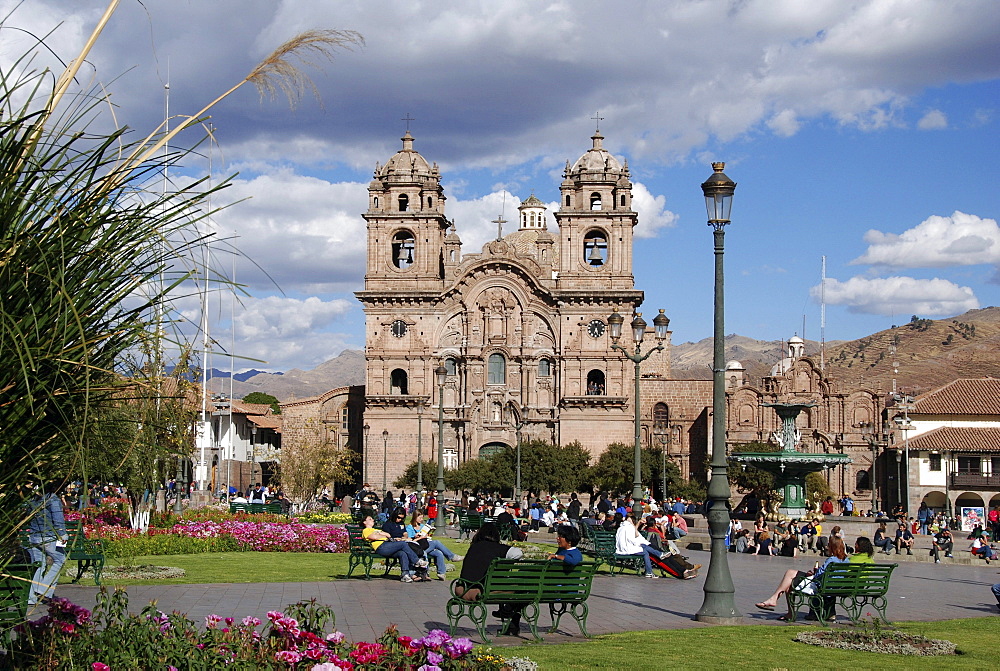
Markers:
<point>46,541</point>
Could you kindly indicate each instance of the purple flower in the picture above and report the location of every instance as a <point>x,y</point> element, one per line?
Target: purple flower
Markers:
<point>434,658</point>
<point>288,656</point>
<point>458,647</point>
<point>429,667</point>
<point>435,638</point>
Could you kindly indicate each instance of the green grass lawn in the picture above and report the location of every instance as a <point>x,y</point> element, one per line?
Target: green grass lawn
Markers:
<point>761,647</point>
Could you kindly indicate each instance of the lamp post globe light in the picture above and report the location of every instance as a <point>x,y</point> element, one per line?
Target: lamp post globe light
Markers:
<point>441,373</point>
<point>660,324</point>
<point>719,606</point>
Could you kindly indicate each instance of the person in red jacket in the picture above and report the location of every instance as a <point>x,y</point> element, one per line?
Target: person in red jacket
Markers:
<point>432,508</point>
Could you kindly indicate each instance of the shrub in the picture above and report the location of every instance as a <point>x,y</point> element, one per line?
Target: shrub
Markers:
<point>322,518</point>
<point>71,637</point>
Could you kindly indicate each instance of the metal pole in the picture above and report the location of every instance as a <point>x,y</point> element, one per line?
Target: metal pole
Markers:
<point>517,476</point>
<point>420,454</point>
<point>719,606</point>
<point>637,456</point>
<point>385,455</point>
<point>439,522</point>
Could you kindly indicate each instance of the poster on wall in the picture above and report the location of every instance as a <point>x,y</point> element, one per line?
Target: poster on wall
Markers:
<point>972,517</point>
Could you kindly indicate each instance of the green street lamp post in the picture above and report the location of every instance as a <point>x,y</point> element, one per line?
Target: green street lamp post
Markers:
<point>385,457</point>
<point>420,453</point>
<point>660,323</point>
<point>518,425</point>
<point>441,373</point>
<point>719,606</point>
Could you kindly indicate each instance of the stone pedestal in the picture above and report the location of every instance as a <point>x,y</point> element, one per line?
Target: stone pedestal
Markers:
<point>161,501</point>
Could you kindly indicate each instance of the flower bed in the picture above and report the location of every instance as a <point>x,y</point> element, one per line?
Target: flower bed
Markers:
<point>112,638</point>
<point>228,536</point>
<point>871,636</point>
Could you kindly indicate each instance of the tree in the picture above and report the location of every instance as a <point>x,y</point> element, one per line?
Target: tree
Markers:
<point>307,466</point>
<point>749,479</point>
<point>408,480</point>
<point>615,468</point>
<point>489,474</point>
<point>260,398</point>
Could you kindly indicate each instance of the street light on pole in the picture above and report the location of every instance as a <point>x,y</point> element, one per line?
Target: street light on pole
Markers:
<point>518,425</point>
<point>661,323</point>
<point>441,373</point>
<point>420,454</point>
<point>719,606</point>
<point>385,456</point>
<point>364,462</point>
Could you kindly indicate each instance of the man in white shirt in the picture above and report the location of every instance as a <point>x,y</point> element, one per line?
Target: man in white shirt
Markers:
<point>628,541</point>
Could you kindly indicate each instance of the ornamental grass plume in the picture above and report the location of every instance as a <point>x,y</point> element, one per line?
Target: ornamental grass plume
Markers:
<point>90,251</point>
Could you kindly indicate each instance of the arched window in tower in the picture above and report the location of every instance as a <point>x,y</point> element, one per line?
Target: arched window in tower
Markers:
<point>595,249</point>
<point>451,366</point>
<point>430,202</point>
<point>661,415</point>
<point>397,383</point>
<point>403,247</point>
<point>532,224</point>
<point>376,202</point>
<point>595,383</point>
<point>595,201</point>
<point>497,369</point>
<point>404,202</point>
<point>568,201</point>
<point>544,367</point>
<point>622,203</point>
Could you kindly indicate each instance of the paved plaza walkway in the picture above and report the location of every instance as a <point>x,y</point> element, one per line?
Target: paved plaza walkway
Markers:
<point>918,591</point>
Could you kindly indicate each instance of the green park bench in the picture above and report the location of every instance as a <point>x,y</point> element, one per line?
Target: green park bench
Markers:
<point>529,583</point>
<point>256,508</point>
<point>15,587</point>
<point>856,586</point>
<point>363,554</point>
<point>87,553</point>
<point>469,523</point>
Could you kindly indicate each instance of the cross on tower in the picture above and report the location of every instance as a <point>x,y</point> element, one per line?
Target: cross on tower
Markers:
<point>500,221</point>
<point>598,119</point>
<point>407,119</point>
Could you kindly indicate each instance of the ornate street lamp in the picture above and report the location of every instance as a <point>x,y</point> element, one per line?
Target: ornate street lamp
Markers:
<point>660,323</point>
<point>420,454</point>
<point>719,606</point>
<point>385,456</point>
<point>518,425</point>
<point>441,373</point>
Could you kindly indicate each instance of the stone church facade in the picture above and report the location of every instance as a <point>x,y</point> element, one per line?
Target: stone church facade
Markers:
<point>521,326</point>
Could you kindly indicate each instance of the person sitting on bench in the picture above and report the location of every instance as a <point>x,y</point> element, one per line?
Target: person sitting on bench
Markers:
<point>628,541</point>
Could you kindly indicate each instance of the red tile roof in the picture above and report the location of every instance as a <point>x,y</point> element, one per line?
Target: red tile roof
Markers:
<point>251,408</point>
<point>958,439</point>
<point>266,421</point>
<point>979,396</point>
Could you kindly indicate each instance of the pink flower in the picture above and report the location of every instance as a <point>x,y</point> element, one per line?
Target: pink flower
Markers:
<point>288,656</point>
<point>336,637</point>
<point>100,666</point>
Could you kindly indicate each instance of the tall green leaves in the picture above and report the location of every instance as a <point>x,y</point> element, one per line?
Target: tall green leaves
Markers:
<point>79,270</point>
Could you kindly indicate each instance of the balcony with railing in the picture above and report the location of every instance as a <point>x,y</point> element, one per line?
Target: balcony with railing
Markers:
<point>974,480</point>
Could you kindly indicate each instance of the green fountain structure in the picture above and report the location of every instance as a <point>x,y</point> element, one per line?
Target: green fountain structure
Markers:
<point>789,466</point>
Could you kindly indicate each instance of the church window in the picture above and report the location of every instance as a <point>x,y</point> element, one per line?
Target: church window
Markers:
<point>430,202</point>
<point>595,249</point>
<point>404,202</point>
<point>397,382</point>
<point>403,246</point>
<point>532,219</point>
<point>567,201</point>
<point>661,415</point>
<point>376,202</point>
<point>497,371</point>
<point>595,383</point>
<point>345,418</point>
<point>544,367</point>
<point>862,480</point>
<point>595,201</point>
<point>623,200</point>
<point>451,366</point>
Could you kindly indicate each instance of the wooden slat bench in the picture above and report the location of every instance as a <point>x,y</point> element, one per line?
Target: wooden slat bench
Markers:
<point>469,523</point>
<point>526,583</point>
<point>856,586</point>
<point>87,553</point>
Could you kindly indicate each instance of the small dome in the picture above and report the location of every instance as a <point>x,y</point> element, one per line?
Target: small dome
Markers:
<point>406,161</point>
<point>597,158</point>
<point>532,201</point>
<point>734,365</point>
<point>796,340</point>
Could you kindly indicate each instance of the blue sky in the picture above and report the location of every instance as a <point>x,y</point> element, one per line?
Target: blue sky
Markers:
<point>863,131</point>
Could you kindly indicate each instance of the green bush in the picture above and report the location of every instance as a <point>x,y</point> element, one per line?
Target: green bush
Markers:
<point>323,518</point>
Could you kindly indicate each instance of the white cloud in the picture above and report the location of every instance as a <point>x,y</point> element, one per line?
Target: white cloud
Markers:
<point>937,242</point>
<point>933,120</point>
<point>899,295</point>
<point>785,123</point>
<point>652,212</point>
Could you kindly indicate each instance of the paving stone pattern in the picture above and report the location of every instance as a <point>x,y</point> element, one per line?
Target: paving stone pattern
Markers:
<point>919,591</point>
